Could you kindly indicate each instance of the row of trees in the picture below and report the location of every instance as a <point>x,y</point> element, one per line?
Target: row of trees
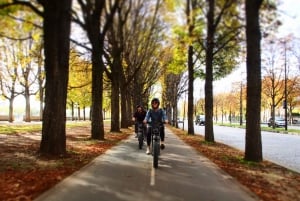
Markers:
<point>120,60</point>
<point>280,77</point>
<point>215,36</point>
<point>231,106</point>
<point>124,48</point>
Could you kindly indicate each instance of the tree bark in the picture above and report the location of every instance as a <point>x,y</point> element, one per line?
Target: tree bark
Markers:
<point>209,131</point>
<point>91,13</point>
<point>190,111</point>
<point>253,147</point>
<point>97,87</point>
<point>56,25</point>
<point>190,92</point>
<point>115,97</point>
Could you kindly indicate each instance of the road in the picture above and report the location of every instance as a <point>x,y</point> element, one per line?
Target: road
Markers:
<point>282,149</point>
<point>125,173</point>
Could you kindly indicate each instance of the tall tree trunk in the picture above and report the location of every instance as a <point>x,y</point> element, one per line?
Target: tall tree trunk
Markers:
<point>190,92</point>
<point>190,112</point>
<point>124,110</point>
<point>57,24</point>
<point>253,147</point>
<point>11,109</point>
<point>115,100</point>
<point>27,104</point>
<point>40,81</point>
<point>97,87</point>
<point>91,13</point>
<point>209,129</point>
<point>84,115</point>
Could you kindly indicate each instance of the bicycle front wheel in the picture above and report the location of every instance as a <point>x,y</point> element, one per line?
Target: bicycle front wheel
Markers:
<point>155,154</point>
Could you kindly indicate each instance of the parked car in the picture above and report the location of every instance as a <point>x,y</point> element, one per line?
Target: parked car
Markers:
<point>200,120</point>
<point>180,121</point>
<point>279,122</point>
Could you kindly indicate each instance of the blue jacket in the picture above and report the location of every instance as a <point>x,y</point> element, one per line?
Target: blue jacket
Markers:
<point>156,116</point>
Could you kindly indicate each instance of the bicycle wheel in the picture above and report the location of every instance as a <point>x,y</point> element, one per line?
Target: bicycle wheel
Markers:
<point>155,154</point>
<point>140,139</point>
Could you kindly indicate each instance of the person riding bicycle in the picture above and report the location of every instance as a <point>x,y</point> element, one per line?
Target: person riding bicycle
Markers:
<point>138,118</point>
<point>154,115</point>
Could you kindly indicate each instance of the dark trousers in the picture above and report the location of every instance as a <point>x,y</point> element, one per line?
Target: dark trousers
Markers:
<point>161,133</point>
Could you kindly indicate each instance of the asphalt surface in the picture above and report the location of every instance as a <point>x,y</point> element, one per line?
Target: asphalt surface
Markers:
<point>282,149</point>
<point>125,173</point>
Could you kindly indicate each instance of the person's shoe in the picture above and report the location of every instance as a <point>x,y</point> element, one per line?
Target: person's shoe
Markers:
<point>148,150</point>
<point>162,146</point>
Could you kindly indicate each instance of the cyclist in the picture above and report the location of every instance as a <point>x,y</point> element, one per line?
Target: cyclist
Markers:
<point>156,114</point>
<point>138,117</point>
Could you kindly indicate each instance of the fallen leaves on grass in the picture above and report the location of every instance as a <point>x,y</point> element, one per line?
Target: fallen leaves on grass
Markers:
<point>24,175</point>
<point>267,180</point>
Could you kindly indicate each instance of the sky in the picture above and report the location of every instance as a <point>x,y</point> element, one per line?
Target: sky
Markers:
<point>290,16</point>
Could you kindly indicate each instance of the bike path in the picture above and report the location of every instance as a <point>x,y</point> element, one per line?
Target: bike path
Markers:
<point>125,173</point>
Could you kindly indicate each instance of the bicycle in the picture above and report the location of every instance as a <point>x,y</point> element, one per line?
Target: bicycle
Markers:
<point>155,143</point>
<point>140,134</point>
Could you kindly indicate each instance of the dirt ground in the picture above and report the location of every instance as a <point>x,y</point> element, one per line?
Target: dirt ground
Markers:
<point>24,174</point>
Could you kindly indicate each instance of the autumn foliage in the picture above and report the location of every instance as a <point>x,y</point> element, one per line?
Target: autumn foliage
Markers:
<point>24,174</point>
<point>267,180</point>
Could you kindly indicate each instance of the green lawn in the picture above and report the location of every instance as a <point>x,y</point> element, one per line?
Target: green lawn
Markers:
<point>13,128</point>
<point>263,128</point>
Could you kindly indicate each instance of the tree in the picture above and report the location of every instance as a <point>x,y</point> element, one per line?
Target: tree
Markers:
<point>273,89</point>
<point>190,7</point>
<point>175,78</point>
<point>29,74</point>
<point>175,86</point>
<point>211,28</point>
<point>79,87</point>
<point>96,22</point>
<point>115,38</point>
<point>56,28</point>
<point>8,78</point>
<point>19,53</point>
<point>37,53</point>
<point>253,146</point>
<point>293,93</point>
<point>143,55</point>
<point>56,31</point>
<point>221,48</point>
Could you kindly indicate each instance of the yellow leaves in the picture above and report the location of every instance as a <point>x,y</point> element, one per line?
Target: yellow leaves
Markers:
<point>79,86</point>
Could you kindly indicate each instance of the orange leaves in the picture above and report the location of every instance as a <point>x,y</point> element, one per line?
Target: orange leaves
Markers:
<point>267,180</point>
<point>24,175</point>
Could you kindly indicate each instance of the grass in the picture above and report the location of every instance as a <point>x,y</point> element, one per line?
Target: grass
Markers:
<point>13,128</point>
<point>263,128</point>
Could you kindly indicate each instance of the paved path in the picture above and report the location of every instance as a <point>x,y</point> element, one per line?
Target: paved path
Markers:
<point>282,149</point>
<point>125,173</point>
